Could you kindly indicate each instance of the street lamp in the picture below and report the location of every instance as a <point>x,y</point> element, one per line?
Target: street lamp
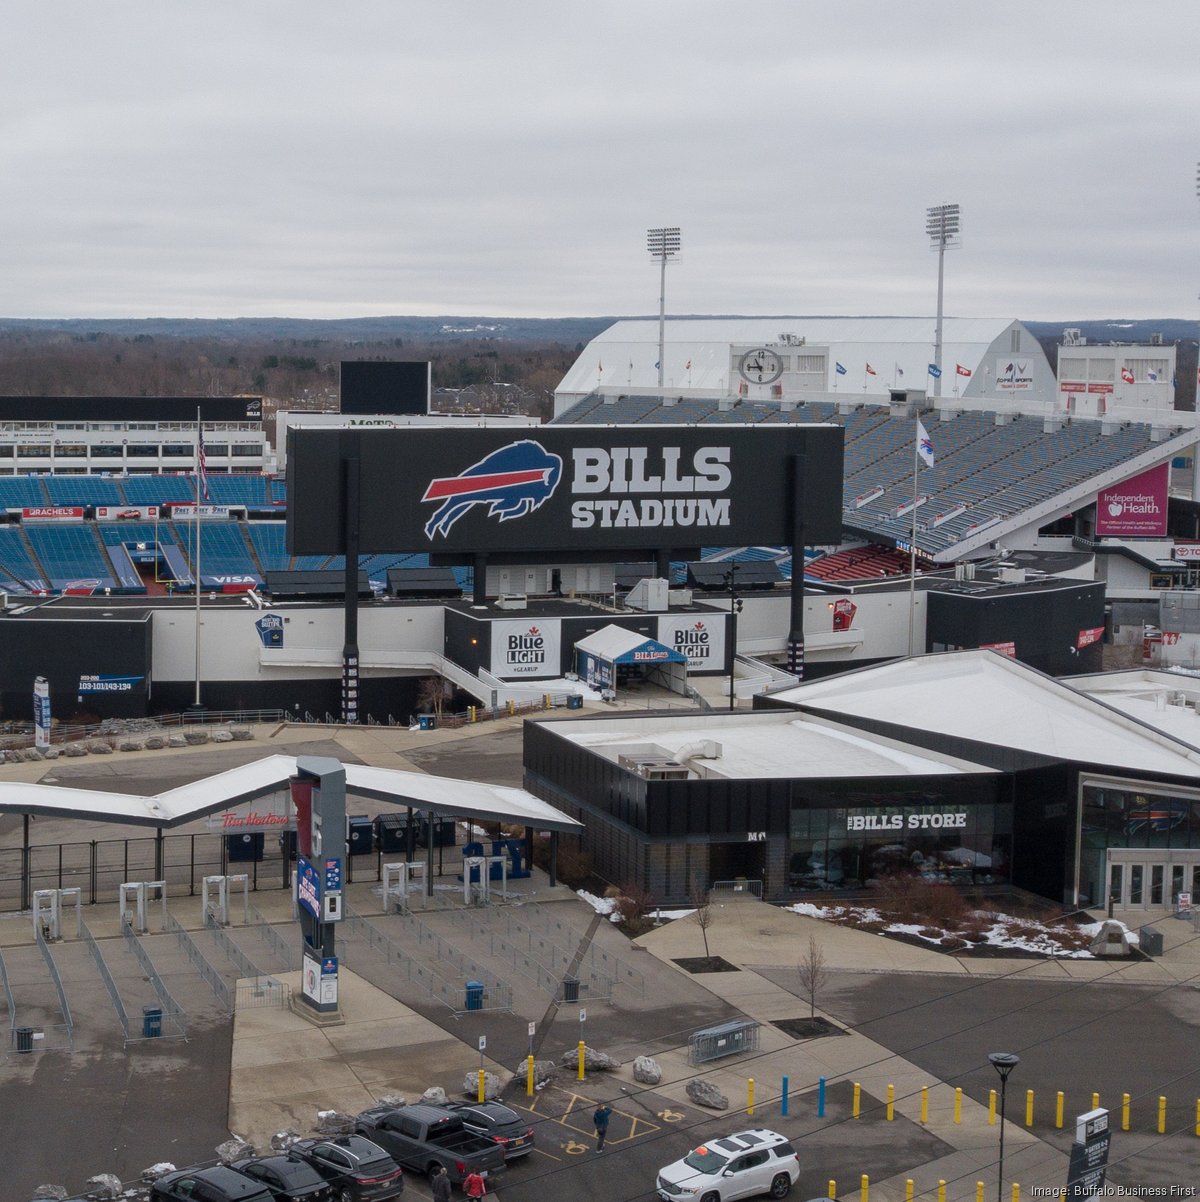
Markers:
<point>942,226</point>
<point>663,244</point>
<point>1003,1063</point>
<point>735,608</point>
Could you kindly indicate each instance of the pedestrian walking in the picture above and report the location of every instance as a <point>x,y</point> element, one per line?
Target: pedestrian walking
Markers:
<point>474,1185</point>
<point>600,1117</point>
<point>441,1185</point>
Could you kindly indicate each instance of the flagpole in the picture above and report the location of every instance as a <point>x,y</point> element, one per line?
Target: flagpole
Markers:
<point>196,554</point>
<point>912,546</point>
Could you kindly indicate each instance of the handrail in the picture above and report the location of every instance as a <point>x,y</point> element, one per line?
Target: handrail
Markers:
<point>106,976</point>
<point>274,940</point>
<point>170,1007</point>
<point>63,1006</point>
<point>200,962</point>
<point>8,996</point>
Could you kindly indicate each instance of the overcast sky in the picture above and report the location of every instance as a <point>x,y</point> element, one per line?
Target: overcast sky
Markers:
<point>226,158</point>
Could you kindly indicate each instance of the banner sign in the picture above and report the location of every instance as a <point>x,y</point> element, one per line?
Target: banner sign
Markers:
<point>1014,375</point>
<point>701,639</point>
<point>526,649</point>
<point>565,487</point>
<point>308,887</point>
<point>843,613</point>
<point>53,513</point>
<point>1135,508</point>
<point>1086,638</point>
<point>1186,551</point>
<point>189,512</point>
<point>41,713</point>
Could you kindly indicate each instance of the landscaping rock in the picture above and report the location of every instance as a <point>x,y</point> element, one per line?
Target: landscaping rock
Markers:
<point>75,750</point>
<point>156,743</point>
<point>593,1061</point>
<point>646,1070</point>
<point>704,1093</point>
<point>492,1087</point>
<point>176,740</point>
<point>130,745</point>
<point>222,736</point>
<point>241,734</point>
<point>195,738</point>
<point>282,1140</point>
<point>52,1192</point>
<point>1111,940</point>
<point>544,1071</point>
<point>51,753</point>
<point>334,1122</point>
<point>435,1095</point>
<point>393,1099</point>
<point>96,747</point>
<point>234,1149</point>
<point>155,1171</point>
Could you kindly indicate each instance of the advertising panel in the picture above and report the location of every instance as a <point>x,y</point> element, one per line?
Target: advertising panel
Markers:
<point>109,684</point>
<point>1014,375</point>
<point>1135,508</point>
<point>526,649</point>
<point>564,487</point>
<point>53,513</point>
<point>308,887</point>
<point>118,513</point>
<point>700,637</point>
<point>1186,551</point>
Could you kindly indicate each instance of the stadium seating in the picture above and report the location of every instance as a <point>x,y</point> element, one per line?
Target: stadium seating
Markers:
<point>17,563</point>
<point>224,550</point>
<point>71,554</point>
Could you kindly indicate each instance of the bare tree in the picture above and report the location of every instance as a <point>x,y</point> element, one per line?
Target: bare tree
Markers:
<point>703,913</point>
<point>431,695</point>
<point>813,974</point>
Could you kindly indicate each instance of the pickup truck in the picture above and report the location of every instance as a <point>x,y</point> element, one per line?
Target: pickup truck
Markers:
<point>422,1136</point>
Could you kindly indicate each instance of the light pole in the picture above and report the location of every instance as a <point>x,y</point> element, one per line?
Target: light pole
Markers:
<point>663,244</point>
<point>1003,1063</point>
<point>942,226</point>
<point>735,608</point>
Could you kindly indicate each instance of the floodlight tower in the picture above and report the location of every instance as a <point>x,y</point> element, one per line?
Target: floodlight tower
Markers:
<point>663,244</point>
<point>941,224</point>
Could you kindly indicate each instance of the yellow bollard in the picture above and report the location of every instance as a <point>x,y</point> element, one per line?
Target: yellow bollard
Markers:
<point>832,1190</point>
<point>864,1188</point>
<point>471,713</point>
<point>891,1102</point>
<point>481,1088</point>
<point>1029,1108</point>
<point>1058,1110</point>
<point>856,1106</point>
<point>750,1095</point>
<point>908,1190</point>
<point>958,1104</point>
<point>1016,1192</point>
<point>1095,1101</point>
<point>924,1103</point>
<point>941,1190</point>
<point>1162,1115</point>
<point>978,1191</point>
<point>582,1047</point>
<point>1198,1116</point>
<point>1125,1112</point>
<point>991,1107</point>
<point>529,1076</point>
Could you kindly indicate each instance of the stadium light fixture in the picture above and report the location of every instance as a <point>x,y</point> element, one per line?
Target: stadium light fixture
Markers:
<point>943,226</point>
<point>663,244</point>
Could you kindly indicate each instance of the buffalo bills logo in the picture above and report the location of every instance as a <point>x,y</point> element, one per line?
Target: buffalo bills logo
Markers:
<point>511,482</point>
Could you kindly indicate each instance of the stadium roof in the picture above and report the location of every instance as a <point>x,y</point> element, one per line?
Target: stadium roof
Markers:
<point>987,698</point>
<point>628,350</point>
<point>210,794</point>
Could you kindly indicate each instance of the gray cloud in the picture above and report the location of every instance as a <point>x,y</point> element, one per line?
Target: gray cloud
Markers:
<point>439,156</point>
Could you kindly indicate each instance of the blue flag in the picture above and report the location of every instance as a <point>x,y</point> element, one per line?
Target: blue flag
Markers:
<point>841,371</point>
<point>935,371</point>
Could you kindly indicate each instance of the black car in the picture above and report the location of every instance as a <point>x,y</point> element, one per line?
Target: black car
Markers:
<point>498,1123</point>
<point>218,1184</point>
<point>358,1170</point>
<point>289,1178</point>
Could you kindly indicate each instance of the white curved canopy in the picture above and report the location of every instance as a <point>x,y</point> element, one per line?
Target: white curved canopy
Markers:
<point>440,794</point>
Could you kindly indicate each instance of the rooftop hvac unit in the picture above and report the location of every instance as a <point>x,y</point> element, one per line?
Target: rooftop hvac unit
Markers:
<point>512,601</point>
<point>654,769</point>
<point>1179,698</point>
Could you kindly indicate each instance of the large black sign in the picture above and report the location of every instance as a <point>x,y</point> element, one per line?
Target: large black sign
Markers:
<point>557,488</point>
<point>369,386</point>
<point>130,408</point>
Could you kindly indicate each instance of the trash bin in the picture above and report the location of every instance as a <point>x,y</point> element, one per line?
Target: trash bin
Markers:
<point>245,848</point>
<point>570,989</point>
<point>24,1039</point>
<point>425,721</point>
<point>1151,942</point>
<point>574,702</point>
<point>474,995</point>
<point>151,1022</point>
<point>360,835</point>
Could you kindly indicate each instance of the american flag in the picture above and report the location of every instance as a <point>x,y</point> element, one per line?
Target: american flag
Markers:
<point>201,461</point>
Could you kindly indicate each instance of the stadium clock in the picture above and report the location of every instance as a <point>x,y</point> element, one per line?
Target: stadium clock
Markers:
<point>760,366</point>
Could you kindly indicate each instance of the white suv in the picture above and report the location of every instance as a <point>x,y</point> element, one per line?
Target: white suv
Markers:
<point>736,1166</point>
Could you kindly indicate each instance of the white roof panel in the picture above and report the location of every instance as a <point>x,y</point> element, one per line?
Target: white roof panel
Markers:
<point>989,698</point>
